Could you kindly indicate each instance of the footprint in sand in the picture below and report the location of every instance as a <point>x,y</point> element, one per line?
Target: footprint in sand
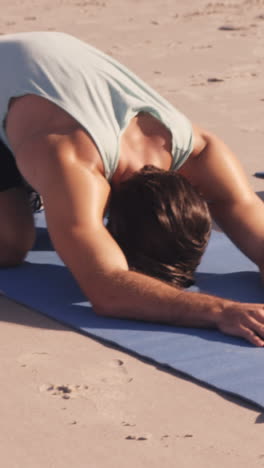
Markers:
<point>115,373</point>
<point>116,363</point>
<point>110,375</point>
<point>229,27</point>
<point>139,438</point>
<point>134,436</point>
<point>165,440</point>
<point>214,80</point>
<point>65,391</point>
<point>126,424</point>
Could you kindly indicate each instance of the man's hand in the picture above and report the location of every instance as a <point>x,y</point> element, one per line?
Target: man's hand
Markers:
<point>245,320</point>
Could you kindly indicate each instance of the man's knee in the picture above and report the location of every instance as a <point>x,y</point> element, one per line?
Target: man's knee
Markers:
<point>17,231</point>
<point>14,251</point>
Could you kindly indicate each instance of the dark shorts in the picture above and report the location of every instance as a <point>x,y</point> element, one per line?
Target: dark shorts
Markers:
<point>10,176</point>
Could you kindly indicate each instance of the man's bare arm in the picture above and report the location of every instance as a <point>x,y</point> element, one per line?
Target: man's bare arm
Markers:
<point>219,177</point>
<point>75,197</point>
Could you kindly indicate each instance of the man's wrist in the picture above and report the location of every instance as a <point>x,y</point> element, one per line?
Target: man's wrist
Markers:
<point>200,310</point>
<point>220,308</point>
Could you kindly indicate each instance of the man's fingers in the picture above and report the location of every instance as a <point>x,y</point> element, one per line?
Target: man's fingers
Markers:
<point>251,336</point>
<point>245,320</point>
<point>258,328</point>
<point>258,312</point>
<point>253,330</point>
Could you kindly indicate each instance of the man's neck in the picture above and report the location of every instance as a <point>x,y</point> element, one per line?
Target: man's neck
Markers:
<point>146,141</point>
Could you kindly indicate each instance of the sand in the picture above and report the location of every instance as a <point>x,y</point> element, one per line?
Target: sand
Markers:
<point>68,400</point>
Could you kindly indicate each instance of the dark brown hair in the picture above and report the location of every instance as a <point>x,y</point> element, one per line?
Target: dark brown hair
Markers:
<point>161,223</point>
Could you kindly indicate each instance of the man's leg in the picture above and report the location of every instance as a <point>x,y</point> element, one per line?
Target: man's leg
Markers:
<point>16,219</point>
<point>16,226</point>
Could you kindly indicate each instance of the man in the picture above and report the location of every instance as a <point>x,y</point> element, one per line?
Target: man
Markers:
<point>80,126</point>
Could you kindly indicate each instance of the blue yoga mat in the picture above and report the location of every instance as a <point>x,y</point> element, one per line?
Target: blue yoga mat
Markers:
<point>225,363</point>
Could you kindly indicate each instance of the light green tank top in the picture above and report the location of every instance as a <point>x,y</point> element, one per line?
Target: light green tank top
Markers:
<point>96,90</point>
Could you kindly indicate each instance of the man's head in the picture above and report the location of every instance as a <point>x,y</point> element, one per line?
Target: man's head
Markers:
<point>161,223</point>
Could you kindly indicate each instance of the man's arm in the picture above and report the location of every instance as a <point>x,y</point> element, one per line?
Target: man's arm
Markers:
<point>75,197</point>
<point>219,177</point>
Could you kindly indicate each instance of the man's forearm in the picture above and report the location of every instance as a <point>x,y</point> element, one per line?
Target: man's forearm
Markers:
<point>136,296</point>
<point>131,295</point>
<point>244,224</point>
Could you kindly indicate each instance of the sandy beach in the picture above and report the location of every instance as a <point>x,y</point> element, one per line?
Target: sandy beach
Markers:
<point>67,400</point>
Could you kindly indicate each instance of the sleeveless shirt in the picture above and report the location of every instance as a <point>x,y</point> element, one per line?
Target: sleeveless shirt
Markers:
<point>96,90</point>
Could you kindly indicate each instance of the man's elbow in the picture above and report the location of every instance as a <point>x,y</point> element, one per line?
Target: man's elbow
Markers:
<point>110,304</point>
<point>106,309</point>
<point>107,297</point>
